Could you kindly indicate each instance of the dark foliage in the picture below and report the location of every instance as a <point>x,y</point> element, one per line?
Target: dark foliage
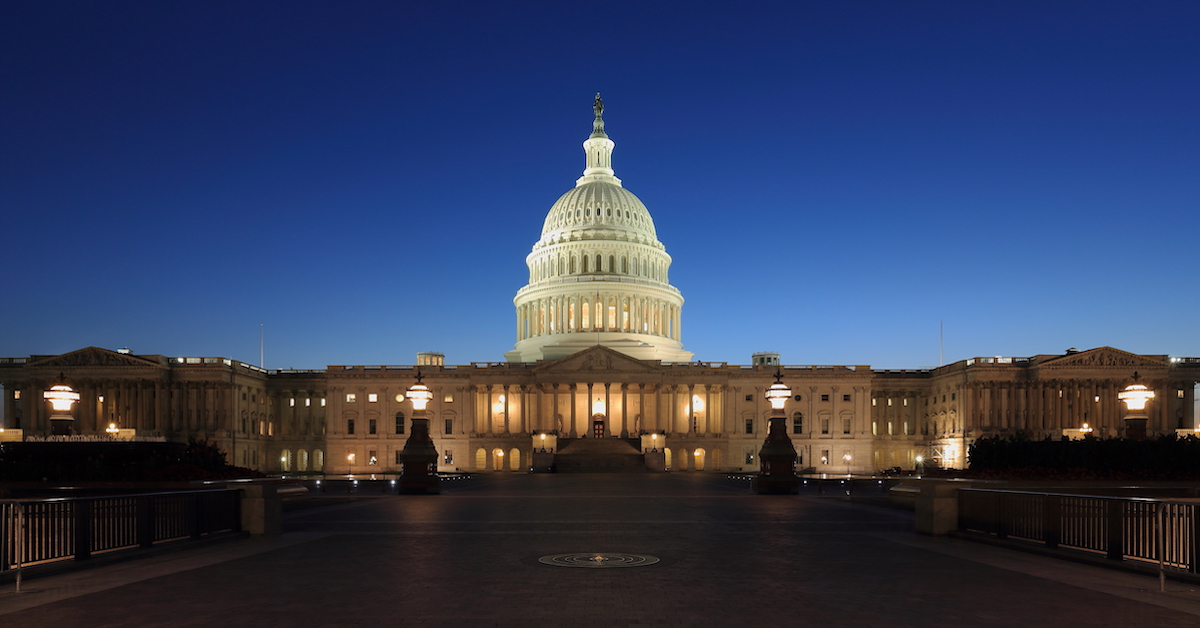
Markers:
<point>116,462</point>
<point>1167,458</point>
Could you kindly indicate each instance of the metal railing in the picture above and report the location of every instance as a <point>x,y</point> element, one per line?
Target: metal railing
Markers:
<point>38,531</point>
<point>1120,528</point>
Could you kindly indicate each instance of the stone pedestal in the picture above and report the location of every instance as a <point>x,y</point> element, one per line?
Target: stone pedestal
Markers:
<point>937,507</point>
<point>262,509</point>
<point>777,460</point>
<point>656,460</point>
<point>543,462</point>
<point>418,460</point>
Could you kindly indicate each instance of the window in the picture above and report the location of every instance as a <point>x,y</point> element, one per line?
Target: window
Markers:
<point>448,457</point>
<point>372,458</point>
<point>797,397</point>
<point>449,398</point>
<point>845,397</point>
<point>824,426</point>
<point>372,398</point>
<point>797,423</point>
<point>749,457</point>
<point>398,460</point>
<point>1179,393</point>
<point>292,402</point>
<point>824,397</point>
<point>399,422</point>
<point>449,427</point>
<point>824,456</point>
<point>349,426</point>
<point>845,426</point>
<point>371,428</point>
<point>749,426</point>
<point>350,398</point>
<point>749,397</point>
<point>952,396</point>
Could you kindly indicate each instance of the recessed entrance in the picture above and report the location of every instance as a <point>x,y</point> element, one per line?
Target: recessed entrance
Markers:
<point>598,425</point>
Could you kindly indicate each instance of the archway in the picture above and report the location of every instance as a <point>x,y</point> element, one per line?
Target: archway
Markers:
<point>285,460</point>
<point>514,459</point>
<point>497,459</point>
<point>318,460</point>
<point>302,460</point>
<point>481,459</point>
<point>698,457</point>
<point>667,451</point>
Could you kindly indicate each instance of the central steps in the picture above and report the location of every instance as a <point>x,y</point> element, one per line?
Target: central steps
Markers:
<point>599,455</point>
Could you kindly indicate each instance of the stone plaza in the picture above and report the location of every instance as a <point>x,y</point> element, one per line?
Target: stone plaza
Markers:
<point>470,557</point>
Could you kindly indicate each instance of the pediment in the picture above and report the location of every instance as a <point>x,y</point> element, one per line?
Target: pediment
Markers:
<point>1105,357</point>
<point>597,359</point>
<point>92,356</point>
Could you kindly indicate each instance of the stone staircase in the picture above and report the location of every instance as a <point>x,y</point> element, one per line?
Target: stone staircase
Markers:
<point>599,455</point>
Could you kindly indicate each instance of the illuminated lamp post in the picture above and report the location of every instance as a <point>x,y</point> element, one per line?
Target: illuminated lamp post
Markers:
<point>1135,397</point>
<point>777,458</point>
<point>418,459</point>
<point>61,398</point>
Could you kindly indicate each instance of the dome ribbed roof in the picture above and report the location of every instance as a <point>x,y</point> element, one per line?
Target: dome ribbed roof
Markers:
<point>599,204</point>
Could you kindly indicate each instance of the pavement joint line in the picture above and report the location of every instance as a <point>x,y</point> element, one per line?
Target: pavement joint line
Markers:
<point>39,591</point>
<point>1131,586</point>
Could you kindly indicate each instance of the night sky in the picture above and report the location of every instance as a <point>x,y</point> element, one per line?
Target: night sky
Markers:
<point>832,179</point>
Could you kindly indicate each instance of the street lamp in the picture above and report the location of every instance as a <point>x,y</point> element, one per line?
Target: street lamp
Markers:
<point>1135,396</point>
<point>350,463</point>
<point>847,459</point>
<point>418,459</point>
<point>777,458</point>
<point>61,398</point>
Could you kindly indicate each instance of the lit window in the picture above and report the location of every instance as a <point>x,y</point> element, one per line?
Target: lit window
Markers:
<point>372,398</point>
<point>449,398</point>
<point>307,402</point>
<point>889,402</point>
<point>448,457</point>
<point>292,402</point>
<point>271,428</point>
<point>17,395</point>
<point>1179,393</point>
<point>351,398</point>
<point>372,459</point>
<point>322,402</point>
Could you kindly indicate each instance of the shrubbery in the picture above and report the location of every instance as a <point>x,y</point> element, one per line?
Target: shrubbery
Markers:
<point>1167,458</point>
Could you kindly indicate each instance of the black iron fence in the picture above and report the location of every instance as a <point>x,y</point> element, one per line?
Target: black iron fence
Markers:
<point>39,531</point>
<point>1119,528</point>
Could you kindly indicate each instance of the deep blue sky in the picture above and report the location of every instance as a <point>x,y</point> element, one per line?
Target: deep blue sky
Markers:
<point>832,178</point>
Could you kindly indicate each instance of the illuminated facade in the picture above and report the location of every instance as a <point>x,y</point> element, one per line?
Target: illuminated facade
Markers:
<point>599,355</point>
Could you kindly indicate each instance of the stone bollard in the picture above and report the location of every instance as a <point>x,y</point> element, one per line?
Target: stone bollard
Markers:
<point>262,510</point>
<point>937,507</point>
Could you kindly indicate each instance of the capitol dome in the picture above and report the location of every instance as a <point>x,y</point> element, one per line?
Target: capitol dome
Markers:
<point>598,274</point>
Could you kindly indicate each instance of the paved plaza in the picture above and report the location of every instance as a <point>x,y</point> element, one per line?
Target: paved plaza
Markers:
<point>469,557</point>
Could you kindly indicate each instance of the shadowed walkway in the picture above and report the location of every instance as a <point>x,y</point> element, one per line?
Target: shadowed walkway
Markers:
<point>469,558</point>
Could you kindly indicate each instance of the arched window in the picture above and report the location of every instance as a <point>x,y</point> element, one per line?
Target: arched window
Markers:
<point>612,264</point>
<point>624,265</point>
<point>585,263</point>
<point>599,259</point>
<point>399,422</point>
<point>798,423</point>
<point>572,264</point>
<point>586,316</point>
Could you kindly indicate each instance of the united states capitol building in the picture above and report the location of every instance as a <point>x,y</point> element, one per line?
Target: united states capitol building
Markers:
<point>599,366</point>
